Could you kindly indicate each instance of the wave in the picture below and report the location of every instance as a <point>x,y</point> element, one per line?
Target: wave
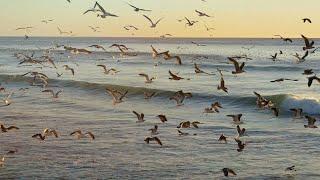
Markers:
<point>310,105</point>
<point>111,52</point>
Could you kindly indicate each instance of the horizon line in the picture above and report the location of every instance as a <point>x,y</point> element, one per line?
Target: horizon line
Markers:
<point>151,37</point>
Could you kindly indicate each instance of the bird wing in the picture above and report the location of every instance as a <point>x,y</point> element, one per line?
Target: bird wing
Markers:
<point>305,55</point>
<point>189,22</point>
<point>54,132</point>
<point>100,7</point>
<point>133,6</point>
<point>306,40</point>
<point>173,75</point>
<point>178,59</point>
<point>76,132</point>
<point>138,115</point>
<point>232,172</point>
<point>91,135</point>
<point>235,62</point>
<point>158,20</point>
<point>144,75</point>
<point>12,127</point>
<point>148,19</point>
<point>158,141</point>
<point>103,66</point>
<point>222,82</point>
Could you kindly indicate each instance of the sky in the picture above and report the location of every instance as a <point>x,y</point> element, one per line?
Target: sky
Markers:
<point>231,18</point>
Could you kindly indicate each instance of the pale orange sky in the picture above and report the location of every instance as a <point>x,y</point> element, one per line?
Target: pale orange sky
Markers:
<point>232,18</point>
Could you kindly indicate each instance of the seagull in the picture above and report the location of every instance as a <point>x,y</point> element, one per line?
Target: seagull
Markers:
<point>155,53</point>
<point>153,25</point>
<point>162,118</point>
<point>94,29</point>
<point>227,171</point>
<point>154,131</point>
<point>148,80</point>
<point>297,112</point>
<point>98,47</point>
<point>47,21</point>
<point>120,47</point>
<point>216,106</point>
<point>137,9</point>
<point>274,57</point>
<point>238,69</point>
<point>59,75</point>
<point>241,145</point>
<point>311,121</point>
<point>174,76</point>
<point>262,102</point>
<point>63,32</point>
<point>179,97</point>
<point>50,60</point>
<point>6,129</point>
<point>222,85</point>
<point>236,118</point>
<point>306,20</point>
<point>105,14</point>
<point>66,67</point>
<point>79,134</point>
<point>107,71</point>
<point>187,124</point>
<point>128,27</point>
<point>301,59</point>
<point>202,13</point>
<point>285,39</point>
<point>189,22</point>
<point>197,43</point>
<point>116,96</point>
<point>54,95</point>
<point>284,79</point>
<point>241,132</point>
<point>50,132</point>
<point>222,138</point>
<point>291,168</point>
<point>24,28</point>
<point>148,95</point>
<point>307,72</point>
<point>167,56</point>
<point>308,44</point>
<point>165,35</point>
<point>197,70</point>
<point>148,139</point>
<point>310,80</point>
<point>139,116</point>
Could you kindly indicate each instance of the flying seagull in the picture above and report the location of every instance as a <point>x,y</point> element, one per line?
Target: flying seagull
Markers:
<point>105,14</point>
<point>308,44</point>
<point>306,20</point>
<point>238,69</point>
<point>137,9</point>
<point>153,25</point>
<point>202,13</point>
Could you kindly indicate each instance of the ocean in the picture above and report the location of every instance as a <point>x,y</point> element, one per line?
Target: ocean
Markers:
<point>119,150</point>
